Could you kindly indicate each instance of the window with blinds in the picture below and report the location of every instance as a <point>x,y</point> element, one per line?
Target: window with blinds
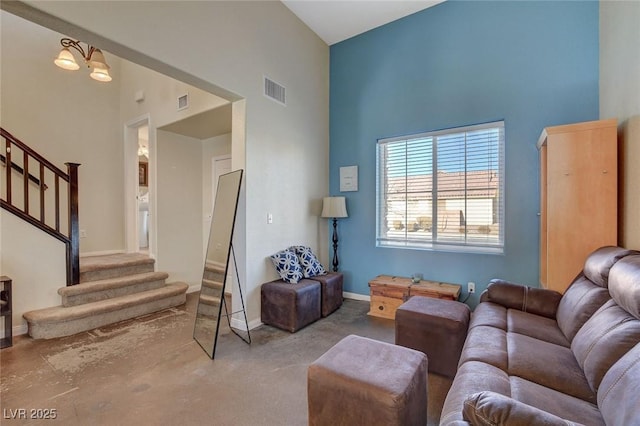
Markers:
<point>442,190</point>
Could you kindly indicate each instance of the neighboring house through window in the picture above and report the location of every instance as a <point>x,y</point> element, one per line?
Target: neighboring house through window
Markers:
<point>442,190</point>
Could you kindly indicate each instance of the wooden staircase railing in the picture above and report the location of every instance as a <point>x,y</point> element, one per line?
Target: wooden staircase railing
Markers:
<point>71,239</point>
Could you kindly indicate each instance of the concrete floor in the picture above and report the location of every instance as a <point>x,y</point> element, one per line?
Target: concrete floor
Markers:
<point>149,371</point>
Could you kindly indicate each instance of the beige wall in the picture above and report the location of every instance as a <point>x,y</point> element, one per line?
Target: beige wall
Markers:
<point>211,147</point>
<point>232,45</point>
<point>620,98</point>
<point>67,117</point>
<point>179,207</point>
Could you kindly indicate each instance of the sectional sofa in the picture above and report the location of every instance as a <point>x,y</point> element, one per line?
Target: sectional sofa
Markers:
<point>534,356</point>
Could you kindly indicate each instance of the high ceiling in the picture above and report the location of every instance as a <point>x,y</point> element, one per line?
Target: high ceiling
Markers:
<point>338,20</point>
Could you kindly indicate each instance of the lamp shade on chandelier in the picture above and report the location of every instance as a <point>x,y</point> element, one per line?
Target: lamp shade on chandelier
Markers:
<point>93,58</point>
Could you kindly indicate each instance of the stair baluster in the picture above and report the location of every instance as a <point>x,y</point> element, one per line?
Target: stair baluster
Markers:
<point>72,239</point>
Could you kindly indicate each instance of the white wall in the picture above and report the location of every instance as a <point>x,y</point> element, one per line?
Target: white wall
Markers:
<point>67,117</point>
<point>232,45</point>
<point>620,98</point>
<point>212,147</point>
<point>179,207</point>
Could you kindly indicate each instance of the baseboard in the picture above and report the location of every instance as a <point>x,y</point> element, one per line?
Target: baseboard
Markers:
<point>356,296</point>
<point>19,330</point>
<point>240,325</point>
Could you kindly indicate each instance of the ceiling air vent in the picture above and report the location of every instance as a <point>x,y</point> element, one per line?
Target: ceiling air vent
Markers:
<point>274,91</point>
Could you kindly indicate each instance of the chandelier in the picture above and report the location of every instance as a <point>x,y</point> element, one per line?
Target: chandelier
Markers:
<point>93,57</point>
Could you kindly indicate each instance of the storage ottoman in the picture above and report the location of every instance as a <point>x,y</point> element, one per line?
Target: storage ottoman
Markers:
<point>360,381</point>
<point>290,306</point>
<point>330,291</point>
<point>436,327</point>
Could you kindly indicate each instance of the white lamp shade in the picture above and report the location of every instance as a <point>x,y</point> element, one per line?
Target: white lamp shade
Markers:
<point>334,207</point>
<point>100,74</point>
<point>97,60</point>
<point>65,60</point>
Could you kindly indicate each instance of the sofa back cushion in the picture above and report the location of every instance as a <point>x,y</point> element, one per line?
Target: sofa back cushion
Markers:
<point>578,304</point>
<point>599,263</point>
<point>619,392</point>
<point>589,290</point>
<point>624,284</point>
<point>609,334</point>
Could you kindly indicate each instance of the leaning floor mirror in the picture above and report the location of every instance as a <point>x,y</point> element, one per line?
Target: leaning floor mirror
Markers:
<point>215,277</point>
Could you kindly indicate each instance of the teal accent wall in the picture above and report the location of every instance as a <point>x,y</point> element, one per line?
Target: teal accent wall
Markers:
<point>531,64</point>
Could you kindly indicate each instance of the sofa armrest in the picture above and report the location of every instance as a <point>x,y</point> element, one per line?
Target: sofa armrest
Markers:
<point>487,407</point>
<point>528,299</point>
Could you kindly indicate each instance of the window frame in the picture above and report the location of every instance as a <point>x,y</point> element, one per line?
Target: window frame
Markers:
<point>436,243</point>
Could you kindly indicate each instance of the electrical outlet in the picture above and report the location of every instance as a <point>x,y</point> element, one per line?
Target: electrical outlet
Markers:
<point>269,218</point>
<point>471,287</point>
<point>83,233</point>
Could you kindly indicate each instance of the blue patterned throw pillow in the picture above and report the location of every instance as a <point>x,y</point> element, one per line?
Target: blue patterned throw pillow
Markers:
<point>288,266</point>
<point>311,266</point>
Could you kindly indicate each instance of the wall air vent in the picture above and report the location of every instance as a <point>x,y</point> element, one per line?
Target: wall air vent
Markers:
<point>274,91</point>
<point>183,102</point>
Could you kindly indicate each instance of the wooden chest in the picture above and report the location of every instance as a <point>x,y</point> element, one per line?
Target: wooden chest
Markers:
<point>389,292</point>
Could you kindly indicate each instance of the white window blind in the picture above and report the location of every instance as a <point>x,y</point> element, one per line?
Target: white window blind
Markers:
<point>442,190</point>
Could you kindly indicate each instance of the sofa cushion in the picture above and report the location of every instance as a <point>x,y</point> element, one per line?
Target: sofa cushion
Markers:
<point>547,364</point>
<point>624,284</point>
<point>604,339</point>
<point>535,326</point>
<point>483,408</point>
<point>599,263</point>
<point>555,402</point>
<point>619,392</point>
<point>489,314</point>
<point>578,304</point>
<point>487,344</point>
<point>528,299</point>
<point>472,377</point>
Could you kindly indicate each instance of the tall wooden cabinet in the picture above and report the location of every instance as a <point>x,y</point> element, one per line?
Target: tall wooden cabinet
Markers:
<point>579,197</point>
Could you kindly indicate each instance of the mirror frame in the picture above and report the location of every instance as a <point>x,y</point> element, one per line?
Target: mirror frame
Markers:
<point>236,176</point>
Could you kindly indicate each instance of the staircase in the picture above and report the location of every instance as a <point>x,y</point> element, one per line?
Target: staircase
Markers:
<point>112,288</point>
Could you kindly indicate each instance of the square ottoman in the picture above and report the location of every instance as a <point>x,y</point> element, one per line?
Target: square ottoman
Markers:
<point>330,291</point>
<point>436,327</point>
<point>361,381</point>
<point>290,306</point>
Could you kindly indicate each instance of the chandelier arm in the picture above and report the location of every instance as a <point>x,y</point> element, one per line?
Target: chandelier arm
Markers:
<point>67,42</point>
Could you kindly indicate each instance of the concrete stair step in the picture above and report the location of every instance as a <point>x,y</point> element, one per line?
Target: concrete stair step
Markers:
<point>95,268</point>
<point>94,291</point>
<point>64,321</point>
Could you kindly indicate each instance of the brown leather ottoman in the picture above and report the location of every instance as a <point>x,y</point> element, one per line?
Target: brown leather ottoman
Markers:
<point>436,327</point>
<point>290,306</point>
<point>330,290</point>
<point>361,381</point>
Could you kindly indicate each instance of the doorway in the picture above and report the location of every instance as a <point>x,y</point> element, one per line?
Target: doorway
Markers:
<point>143,189</point>
<point>139,164</point>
